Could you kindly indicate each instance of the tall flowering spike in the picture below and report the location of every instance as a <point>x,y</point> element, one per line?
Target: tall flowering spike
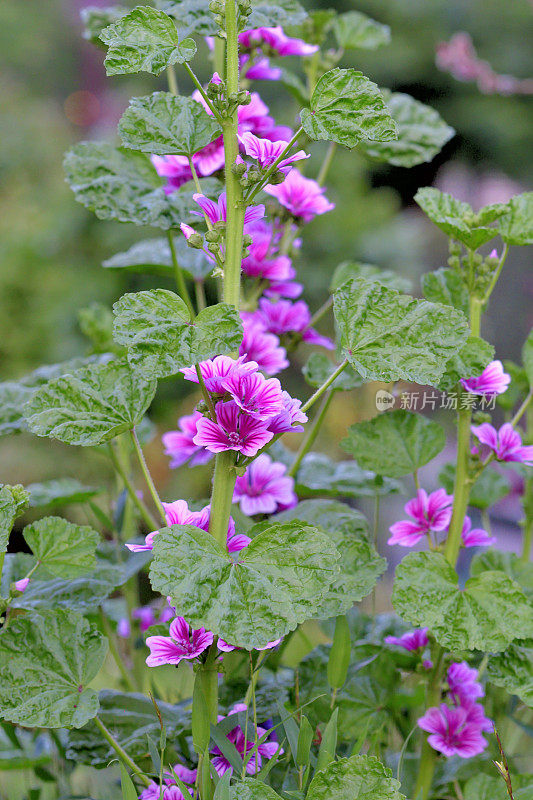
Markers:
<point>475,537</point>
<point>492,381</point>
<point>215,371</point>
<point>263,349</point>
<point>264,488</point>
<point>256,395</point>
<point>289,418</point>
<point>412,641</point>
<point>266,152</point>
<point>455,730</point>
<point>179,444</point>
<point>430,513</point>
<point>302,197</point>
<point>505,443</point>
<point>233,430</point>
<point>183,643</point>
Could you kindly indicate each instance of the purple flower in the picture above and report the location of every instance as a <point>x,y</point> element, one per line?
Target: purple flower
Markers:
<point>21,585</point>
<point>258,69</point>
<point>171,790</point>
<point>258,396</point>
<point>455,730</point>
<point>302,197</point>
<point>506,443</point>
<point>492,381</point>
<point>228,648</point>
<point>266,152</point>
<point>276,41</point>
<point>262,262</point>
<point>264,488</point>
<point>463,685</point>
<point>263,349</point>
<point>179,444</point>
<point>146,616</point>
<point>286,420</point>
<point>413,640</point>
<point>215,371</point>
<point>216,212</point>
<point>232,430</point>
<point>176,169</point>
<point>475,537</point>
<point>431,512</point>
<point>183,643</point>
<point>266,750</point>
<point>284,317</point>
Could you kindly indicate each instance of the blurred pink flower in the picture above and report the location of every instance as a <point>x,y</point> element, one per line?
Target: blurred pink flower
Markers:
<point>264,488</point>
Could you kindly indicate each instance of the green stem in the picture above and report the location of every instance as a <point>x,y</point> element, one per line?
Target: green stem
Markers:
<point>325,386</point>
<point>202,91</point>
<point>199,293</point>
<point>326,164</point>
<point>221,497</point>
<point>494,280</point>
<point>219,55</point>
<point>178,274</point>
<point>428,757</point>
<point>128,761</point>
<point>113,649</point>
<point>172,81</point>
<point>144,512</point>
<point>147,476</point>
<point>195,177</point>
<point>311,433</point>
<point>205,394</point>
<point>324,308</point>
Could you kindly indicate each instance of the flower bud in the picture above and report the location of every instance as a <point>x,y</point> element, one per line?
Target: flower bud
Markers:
<point>238,169</point>
<point>195,241</point>
<point>216,7</point>
<point>247,240</point>
<point>276,177</point>
<point>212,236</point>
<point>244,98</point>
<point>213,247</point>
<point>254,175</point>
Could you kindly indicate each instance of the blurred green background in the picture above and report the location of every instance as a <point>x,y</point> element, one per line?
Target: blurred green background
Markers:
<point>55,92</point>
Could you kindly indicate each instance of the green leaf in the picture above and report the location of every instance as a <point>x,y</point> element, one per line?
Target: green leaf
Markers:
<point>513,669</point>
<point>144,40</point>
<point>469,361</point>
<point>46,662</point>
<point>95,19</point>
<point>319,368</point>
<point>516,226</point>
<point>422,133</point>
<point>96,323</point>
<point>457,219</point>
<point>318,474</point>
<point>509,563</point>
<point>361,777</point>
<point>446,286</point>
<point>355,269</point>
<point>279,579</point>
<point>277,12</point>
<point>395,443</point>
<point>360,564</point>
<point>8,515</point>
<point>488,614</point>
<point>191,16</point>
<point>347,108</point>
<point>487,490</point>
<point>164,124</point>
<point>65,549</point>
<point>60,492</point>
<point>489,787</point>
<point>130,718</point>
<point>128,789</point>
<point>388,336</point>
<point>82,594</point>
<point>354,30</point>
<point>153,256</point>
<point>527,357</point>
<point>122,184</point>
<point>92,405</point>
<point>249,789</point>
<point>156,328</point>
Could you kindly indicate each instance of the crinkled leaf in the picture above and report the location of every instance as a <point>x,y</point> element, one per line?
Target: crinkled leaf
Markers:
<point>250,789</point>
<point>154,257</point>
<point>156,328</point>
<point>144,40</point>
<point>446,286</point>
<point>8,514</point>
<point>96,18</point>
<point>469,361</point>
<point>276,584</point>
<point>516,226</point>
<point>65,549</point>
<point>83,594</point>
<point>354,30</point>
<point>92,405</point>
<point>319,368</point>
<point>46,662</point>
<point>395,443</point>
<point>488,614</point>
<point>96,324</point>
<point>349,270</point>
<point>457,219</point>
<point>422,133</point>
<point>192,16</point>
<point>490,487</point>
<point>360,564</point>
<point>361,777</point>
<point>122,184</point>
<point>513,670</point>
<point>347,108</point>
<point>319,475</point>
<point>278,12</point>
<point>527,357</point>
<point>509,563</point>
<point>130,718</point>
<point>164,124</point>
<point>388,336</point>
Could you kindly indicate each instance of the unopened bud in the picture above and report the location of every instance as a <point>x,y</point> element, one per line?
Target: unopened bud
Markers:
<point>219,226</point>
<point>216,7</point>
<point>213,247</point>
<point>247,240</point>
<point>238,169</point>
<point>277,177</point>
<point>244,98</point>
<point>196,241</point>
<point>254,175</point>
<point>212,236</point>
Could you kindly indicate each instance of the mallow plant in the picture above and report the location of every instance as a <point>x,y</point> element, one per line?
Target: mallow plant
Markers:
<point>204,688</point>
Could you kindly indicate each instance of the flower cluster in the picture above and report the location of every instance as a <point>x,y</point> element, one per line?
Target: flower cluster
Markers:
<point>457,728</point>
<point>266,749</point>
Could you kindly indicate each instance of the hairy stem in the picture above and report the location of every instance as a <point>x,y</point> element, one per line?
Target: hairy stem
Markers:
<point>128,761</point>
<point>325,386</point>
<point>147,476</point>
<point>202,91</point>
<point>221,497</point>
<point>326,164</point>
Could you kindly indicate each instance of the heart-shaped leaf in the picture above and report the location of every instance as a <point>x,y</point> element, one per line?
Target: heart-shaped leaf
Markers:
<point>65,549</point>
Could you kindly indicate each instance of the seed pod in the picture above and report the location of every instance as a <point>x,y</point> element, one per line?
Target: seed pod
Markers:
<point>339,656</point>
<point>195,241</point>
